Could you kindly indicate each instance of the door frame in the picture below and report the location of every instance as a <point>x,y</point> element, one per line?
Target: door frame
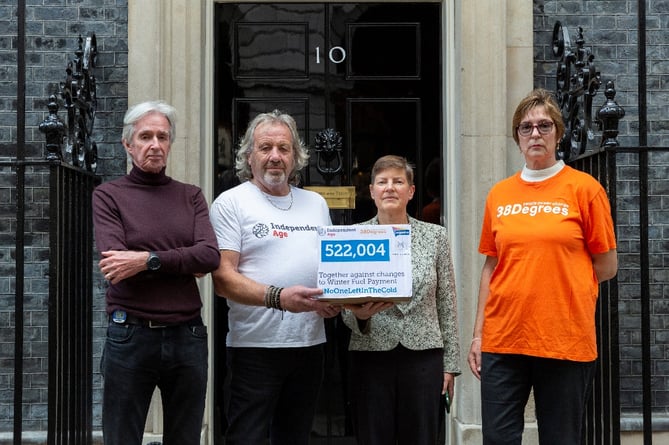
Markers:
<point>449,80</point>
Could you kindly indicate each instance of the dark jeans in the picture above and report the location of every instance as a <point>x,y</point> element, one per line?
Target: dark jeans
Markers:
<point>561,389</point>
<point>396,396</point>
<point>135,360</point>
<point>271,394</point>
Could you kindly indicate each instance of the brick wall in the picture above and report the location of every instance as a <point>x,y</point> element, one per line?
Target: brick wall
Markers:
<point>52,31</point>
<point>36,298</point>
<point>610,30</point>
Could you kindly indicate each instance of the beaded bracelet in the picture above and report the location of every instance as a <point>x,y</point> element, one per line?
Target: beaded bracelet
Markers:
<point>273,297</point>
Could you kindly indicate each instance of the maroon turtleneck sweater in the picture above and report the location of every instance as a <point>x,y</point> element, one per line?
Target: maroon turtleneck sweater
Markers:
<point>153,212</point>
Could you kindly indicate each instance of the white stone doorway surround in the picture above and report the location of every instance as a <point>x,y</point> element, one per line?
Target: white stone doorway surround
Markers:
<point>487,68</point>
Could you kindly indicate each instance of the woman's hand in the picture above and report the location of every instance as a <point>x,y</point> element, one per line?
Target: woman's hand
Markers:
<point>327,310</point>
<point>474,357</point>
<point>449,383</point>
<point>365,311</point>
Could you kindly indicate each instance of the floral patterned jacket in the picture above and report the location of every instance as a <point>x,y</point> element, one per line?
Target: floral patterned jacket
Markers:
<point>429,319</point>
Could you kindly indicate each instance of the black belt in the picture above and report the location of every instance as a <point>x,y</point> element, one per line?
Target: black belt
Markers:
<point>131,319</point>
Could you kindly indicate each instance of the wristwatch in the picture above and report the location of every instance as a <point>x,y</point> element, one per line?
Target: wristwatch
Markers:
<point>153,261</point>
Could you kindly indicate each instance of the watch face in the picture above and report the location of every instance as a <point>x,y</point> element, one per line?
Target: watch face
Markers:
<point>153,263</point>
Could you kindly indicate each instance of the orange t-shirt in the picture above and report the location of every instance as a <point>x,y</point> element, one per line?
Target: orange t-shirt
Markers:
<point>543,290</point>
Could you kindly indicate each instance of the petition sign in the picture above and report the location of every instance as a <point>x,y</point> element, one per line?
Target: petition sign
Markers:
<point>359,263</point>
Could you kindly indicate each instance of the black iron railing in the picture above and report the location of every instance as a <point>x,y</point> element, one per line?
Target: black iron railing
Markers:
<point>70,305</point>
<point>71,251</point>
<point>54,232</point>
<point>638,259</point>
<point>602,424</point>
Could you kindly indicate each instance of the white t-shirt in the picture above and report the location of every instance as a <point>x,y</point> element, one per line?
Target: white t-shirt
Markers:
<point>276,247</point>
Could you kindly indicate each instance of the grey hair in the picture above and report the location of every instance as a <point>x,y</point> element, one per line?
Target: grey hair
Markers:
<point>136,112</point>
<point>300,151</point>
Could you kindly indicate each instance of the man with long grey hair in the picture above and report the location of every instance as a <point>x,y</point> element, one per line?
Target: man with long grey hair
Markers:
<point>266,231</point>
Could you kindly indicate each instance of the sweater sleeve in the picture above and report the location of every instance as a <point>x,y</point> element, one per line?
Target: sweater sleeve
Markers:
<point>446,306</point>
<point>203,255</point>
<point>109,230</point>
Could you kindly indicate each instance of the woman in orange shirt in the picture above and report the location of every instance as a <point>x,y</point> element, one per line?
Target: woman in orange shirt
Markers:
<point>548,238</point>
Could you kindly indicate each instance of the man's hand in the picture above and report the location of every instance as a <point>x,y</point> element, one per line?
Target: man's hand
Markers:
<point>117,265</point>
<point>303,299</point>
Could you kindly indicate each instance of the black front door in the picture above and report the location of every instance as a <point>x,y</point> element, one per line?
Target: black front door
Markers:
<point>371,73</point>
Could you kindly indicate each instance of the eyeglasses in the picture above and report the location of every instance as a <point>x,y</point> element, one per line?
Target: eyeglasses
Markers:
<point>526,128</point>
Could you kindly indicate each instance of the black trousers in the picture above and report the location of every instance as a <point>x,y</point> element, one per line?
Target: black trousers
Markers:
<point>561,389</point>
<point>271,394</point>
<point>396,396</point>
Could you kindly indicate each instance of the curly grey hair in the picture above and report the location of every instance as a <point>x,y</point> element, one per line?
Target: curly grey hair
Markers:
<point>300,151</point>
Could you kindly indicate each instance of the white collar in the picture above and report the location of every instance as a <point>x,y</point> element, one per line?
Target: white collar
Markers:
<point>539,175</point>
